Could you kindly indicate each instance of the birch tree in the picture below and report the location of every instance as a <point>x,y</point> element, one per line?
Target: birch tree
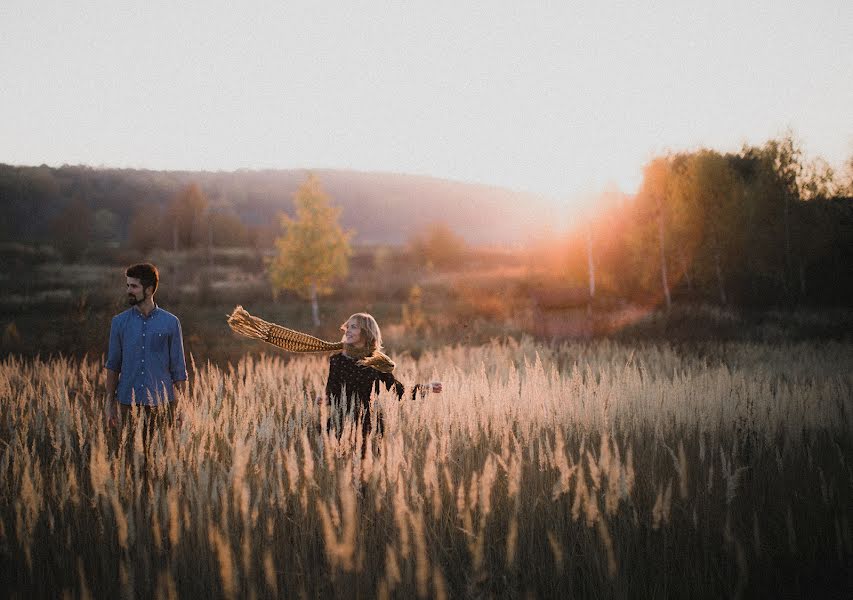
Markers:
<point>713,195</point>
<point>655,192</point>
<point>314,251</point>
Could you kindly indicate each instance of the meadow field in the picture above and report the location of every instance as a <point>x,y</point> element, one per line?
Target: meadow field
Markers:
<point>590,469</point>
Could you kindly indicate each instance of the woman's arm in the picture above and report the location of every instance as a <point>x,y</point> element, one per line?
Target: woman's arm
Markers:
<point>390,381</point>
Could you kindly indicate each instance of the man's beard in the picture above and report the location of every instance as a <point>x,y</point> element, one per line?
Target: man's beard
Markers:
<point>133,301</point>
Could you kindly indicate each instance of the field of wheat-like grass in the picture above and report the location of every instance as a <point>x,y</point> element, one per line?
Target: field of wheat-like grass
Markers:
<point>575,470</point>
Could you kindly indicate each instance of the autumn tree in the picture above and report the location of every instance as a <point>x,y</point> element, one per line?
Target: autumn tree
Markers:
<point>227,230</point>
<point>819,181</point>
<point>781,184</point>
<point>845,183</point>
<point>590,262</point>
<point>783,159</point>
<point>186,213</point>
<point>72,229</point>
<point>105,226</point>
<point>144,229</point>
<point>438,246</point>
<point>711,194</point>
<point>314,251</point>
<point>655,194</point>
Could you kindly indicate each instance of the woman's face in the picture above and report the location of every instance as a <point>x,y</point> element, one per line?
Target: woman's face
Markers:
<point>352,333</point>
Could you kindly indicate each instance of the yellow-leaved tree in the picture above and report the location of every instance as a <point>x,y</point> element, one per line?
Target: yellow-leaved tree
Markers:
<point>314,251</point>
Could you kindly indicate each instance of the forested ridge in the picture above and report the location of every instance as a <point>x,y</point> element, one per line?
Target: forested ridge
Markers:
<point>760,227</point>
<point>38,203</point>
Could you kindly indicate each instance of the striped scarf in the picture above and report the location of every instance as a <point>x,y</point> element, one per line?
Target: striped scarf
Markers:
<point>291,340</point>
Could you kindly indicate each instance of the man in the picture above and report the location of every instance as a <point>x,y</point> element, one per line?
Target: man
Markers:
<point>145,360</point>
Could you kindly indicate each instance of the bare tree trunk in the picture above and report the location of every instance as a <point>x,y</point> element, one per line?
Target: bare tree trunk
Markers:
<point>787,243</point>
<point>802,277</point>
<point>663,275</point>
<point>591,265</point>
<point>686,269</point>
<point>719,269</point>
<point>209,239</point>
<point>315,307</point>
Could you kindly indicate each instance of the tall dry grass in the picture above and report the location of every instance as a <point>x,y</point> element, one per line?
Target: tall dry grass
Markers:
<point>592,470</point>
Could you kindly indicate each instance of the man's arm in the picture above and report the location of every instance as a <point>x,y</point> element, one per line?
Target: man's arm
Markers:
<point>177,366</point>
<point>112,384</point>
<point>110,403</point>
<point>113,366</point>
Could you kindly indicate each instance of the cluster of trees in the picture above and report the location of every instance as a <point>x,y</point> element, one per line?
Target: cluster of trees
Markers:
<point>313,251</point>
<point>77,209</point>
<point>758,227</point>
<point>187,222</point>
<point>437,246</point>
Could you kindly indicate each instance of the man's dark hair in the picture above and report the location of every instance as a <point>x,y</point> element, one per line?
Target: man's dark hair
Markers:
<point>146,273</point>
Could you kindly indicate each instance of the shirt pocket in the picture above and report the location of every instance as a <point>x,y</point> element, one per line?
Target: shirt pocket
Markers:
<point>160,342</point>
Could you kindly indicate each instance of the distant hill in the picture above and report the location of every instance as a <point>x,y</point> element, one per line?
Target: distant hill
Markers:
<point>381,207</point>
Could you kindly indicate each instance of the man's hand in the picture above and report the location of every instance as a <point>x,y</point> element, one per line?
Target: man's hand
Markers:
<point>111,410</point>
<point>176,409</point>
<point>179,394</point>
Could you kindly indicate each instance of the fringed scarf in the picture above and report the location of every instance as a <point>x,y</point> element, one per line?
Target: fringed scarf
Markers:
<point>295,341</point>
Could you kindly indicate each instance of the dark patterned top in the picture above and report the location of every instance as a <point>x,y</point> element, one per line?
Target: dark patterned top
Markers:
<point>358,381</point>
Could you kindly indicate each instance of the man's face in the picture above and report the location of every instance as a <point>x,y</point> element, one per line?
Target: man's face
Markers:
<point>135,291</point>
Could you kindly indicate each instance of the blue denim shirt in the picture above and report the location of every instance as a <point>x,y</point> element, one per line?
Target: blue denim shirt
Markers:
<point>148,352</point>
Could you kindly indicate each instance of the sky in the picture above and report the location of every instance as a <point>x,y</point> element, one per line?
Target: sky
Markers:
<point>557,98</point>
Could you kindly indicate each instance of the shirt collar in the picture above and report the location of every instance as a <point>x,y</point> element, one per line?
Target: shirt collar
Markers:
<point>151,314</point>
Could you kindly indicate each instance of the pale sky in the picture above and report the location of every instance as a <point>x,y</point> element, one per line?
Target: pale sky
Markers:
<point>558,98</point>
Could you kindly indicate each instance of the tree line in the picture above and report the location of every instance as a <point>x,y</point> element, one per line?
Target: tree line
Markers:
<point>135,208</point>
<point>77,209</point>
<point>759,227</point>
<point>754,228</point>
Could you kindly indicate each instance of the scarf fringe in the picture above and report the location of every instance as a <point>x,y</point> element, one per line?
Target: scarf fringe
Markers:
<point>291,340</point>
<point>379,361</point>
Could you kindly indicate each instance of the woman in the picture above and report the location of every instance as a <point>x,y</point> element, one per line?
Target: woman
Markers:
<point>361,369</point>
<point>354,374</point>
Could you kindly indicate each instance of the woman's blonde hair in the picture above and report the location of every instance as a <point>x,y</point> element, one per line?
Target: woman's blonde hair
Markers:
<point>370,332</point>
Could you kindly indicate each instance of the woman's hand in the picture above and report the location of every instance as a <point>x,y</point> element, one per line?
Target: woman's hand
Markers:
<point>425,388</point>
